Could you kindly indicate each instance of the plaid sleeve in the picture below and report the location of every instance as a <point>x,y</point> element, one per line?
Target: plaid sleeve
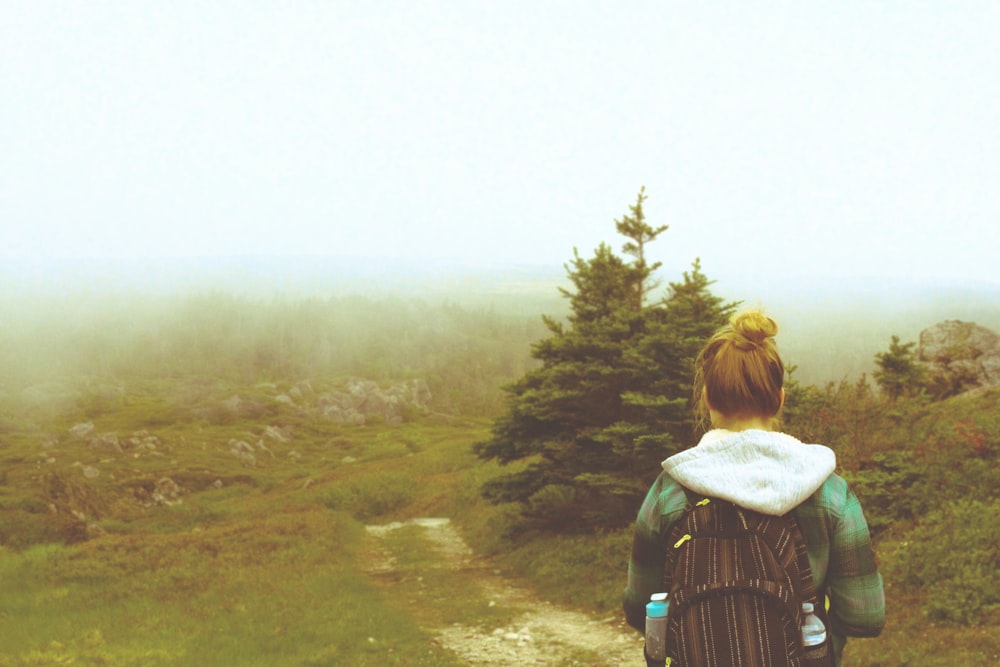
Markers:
<point>662,506</point>
<point>854,585</point>
<point>842,559</point>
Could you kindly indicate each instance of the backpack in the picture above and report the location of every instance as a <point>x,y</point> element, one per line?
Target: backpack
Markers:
<point>737,580</point>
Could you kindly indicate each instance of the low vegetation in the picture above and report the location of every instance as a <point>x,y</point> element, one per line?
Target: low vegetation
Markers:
<point>190,484</point>
<point>266,564</point>
<point>259,564</point>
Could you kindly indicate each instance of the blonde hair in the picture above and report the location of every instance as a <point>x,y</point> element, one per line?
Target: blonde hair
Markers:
<point>738,372</point>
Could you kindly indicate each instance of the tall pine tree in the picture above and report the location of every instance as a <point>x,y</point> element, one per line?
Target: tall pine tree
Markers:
<point>611,397</point>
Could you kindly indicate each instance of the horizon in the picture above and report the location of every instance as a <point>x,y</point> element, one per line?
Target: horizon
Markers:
<point>830,328</point>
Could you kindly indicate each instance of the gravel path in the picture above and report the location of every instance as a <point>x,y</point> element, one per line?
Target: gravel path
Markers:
<point>543,634</point>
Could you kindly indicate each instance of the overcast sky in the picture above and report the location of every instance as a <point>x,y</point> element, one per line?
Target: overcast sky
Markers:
<point>800,138</point>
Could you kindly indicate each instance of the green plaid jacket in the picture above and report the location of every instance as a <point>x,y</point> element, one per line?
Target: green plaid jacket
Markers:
<point>837,537</point>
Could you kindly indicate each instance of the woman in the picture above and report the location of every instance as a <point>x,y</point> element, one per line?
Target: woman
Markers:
<point>738,382</point>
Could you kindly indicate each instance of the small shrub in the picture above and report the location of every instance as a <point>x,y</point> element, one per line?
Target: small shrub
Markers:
<point>20,529</point>
<point>954,555</point>
<point>887,489</point>
<point>33,505</point>
<point>373,496</point>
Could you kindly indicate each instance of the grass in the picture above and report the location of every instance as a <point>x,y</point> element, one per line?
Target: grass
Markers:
<point>267,564</point>
<point>282,587</point>
<point>255,566</point>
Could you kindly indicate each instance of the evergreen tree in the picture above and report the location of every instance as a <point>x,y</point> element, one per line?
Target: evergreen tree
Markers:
<point>639,233</point>
<point>664,361</point>
<point>611,396</point>
<point>898,372</point>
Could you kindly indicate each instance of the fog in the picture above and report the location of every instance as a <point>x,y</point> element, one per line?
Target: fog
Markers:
<point>166,166</point>
<point>245,318</point>
<point>806,141</point>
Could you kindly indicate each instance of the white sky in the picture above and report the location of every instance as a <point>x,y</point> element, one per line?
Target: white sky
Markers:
<point>801,138</point>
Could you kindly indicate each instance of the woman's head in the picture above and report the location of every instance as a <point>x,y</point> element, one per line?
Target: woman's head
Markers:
<point>739,374</point>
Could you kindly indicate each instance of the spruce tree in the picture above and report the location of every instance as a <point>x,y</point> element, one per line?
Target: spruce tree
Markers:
<point>633,226</point>
<point>610,398</point>
<point>898,373</point>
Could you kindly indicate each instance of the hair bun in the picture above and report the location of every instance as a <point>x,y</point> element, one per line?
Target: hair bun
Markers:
<point>754,326</point>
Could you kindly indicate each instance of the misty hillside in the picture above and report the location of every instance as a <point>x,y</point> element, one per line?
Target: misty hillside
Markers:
<point>246,455</point>
<point>830,329</point>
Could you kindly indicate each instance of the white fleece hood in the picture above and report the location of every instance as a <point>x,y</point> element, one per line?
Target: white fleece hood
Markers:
<point>764,471</point>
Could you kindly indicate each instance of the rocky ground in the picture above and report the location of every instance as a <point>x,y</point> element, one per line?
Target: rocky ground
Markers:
<point>540,633</point>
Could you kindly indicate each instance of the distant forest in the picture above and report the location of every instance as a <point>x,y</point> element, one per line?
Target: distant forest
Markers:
<point>464,353</point>
<point>466,331</point>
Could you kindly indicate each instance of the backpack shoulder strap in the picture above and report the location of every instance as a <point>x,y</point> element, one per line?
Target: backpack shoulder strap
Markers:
<point>676,533</point>
<point>807,590</point>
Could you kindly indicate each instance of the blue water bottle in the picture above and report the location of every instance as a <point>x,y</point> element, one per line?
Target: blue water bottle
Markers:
<point>656,626</point>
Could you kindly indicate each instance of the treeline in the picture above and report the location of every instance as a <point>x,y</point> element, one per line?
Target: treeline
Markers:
<point>464,353</point>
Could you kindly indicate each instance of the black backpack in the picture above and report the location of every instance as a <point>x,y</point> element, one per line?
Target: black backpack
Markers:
<point>737,580</point>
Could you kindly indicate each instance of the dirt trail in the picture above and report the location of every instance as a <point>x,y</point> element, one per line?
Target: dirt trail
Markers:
<point>540,634</point>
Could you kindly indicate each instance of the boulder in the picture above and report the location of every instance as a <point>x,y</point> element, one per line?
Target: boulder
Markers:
<point>82,430</point>
<point>233,404</point>
<point>362,400</point>
<point>959,356</point>
<point>166,492</point>
<point>277,434</point>
<point>142,440</point>
<point>244,452</point>
<point>343,415</point>
<point>414,393</point>
<point>106,442</point>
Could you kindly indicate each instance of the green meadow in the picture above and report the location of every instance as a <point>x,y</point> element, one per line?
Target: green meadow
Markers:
<point>174,495</point>
<point>244,565</point>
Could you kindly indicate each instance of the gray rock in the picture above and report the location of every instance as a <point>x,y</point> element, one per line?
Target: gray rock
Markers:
<point>244,452</point>
<point>233,404</point>
<point>166,492</point>
<point>82,430</point>
<point>363,400</point>
<point>141,440</point>
<point>275,433</point>
<point>106,442</point>
<point>959,356</point>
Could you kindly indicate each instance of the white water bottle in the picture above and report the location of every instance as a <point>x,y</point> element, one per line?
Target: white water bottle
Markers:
<point>813,630</point>
<point>816,650</point>
<point>656,626</point>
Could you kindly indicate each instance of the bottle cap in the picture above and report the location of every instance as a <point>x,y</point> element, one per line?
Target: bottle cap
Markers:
<point>656,609</point>
<point>657,606</point>
<point>807,607</point>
